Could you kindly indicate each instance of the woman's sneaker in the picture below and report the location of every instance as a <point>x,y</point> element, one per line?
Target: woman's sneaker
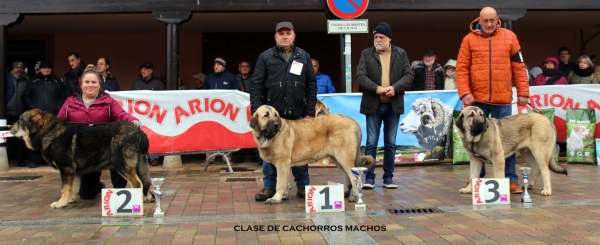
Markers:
<point>369,184</point>
<point>388,183</point>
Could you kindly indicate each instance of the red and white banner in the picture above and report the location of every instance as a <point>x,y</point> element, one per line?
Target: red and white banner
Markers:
<point>191,120</point>
<point>562,97</point>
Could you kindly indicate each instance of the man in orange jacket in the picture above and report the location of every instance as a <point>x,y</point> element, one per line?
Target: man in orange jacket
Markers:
<point>488,61</point>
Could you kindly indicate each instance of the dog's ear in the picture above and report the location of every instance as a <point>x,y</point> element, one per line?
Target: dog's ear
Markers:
<point>254,122</point>
<point>459,122</point>
<point>35,122</point>
<point>486,123</point>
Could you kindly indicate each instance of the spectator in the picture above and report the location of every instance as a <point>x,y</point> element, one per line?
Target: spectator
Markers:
<point>594,60</point>
<point>73,75</point>
<point>488,60</point>
<point>273,84</point>
<point>428,75</point>
<point>16,81</point>
<point>450,75</point>
<point>92,106</point>
<point>109,83</point>
<point>324,83</point>
<point>583,73</point>
<point>46,92</point>
<point>221,79</point>
<point>244,78</point>
<point>199,80</point>
<point>147,81</point>
<point>550,74</point>
<point>566,65</point>
<point>383,87</point>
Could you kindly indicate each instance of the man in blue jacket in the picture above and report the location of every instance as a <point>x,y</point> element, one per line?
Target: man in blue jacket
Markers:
<point>324,83</point>
<point>221,79</point>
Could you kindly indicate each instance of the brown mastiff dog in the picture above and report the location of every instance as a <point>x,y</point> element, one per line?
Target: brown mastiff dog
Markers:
<point>489,139</point>
<point>292,143</point>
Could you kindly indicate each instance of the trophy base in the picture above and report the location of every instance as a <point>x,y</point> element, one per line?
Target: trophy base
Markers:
<point>360,207</point>
<point>526,200</point>
<point>159,214</point>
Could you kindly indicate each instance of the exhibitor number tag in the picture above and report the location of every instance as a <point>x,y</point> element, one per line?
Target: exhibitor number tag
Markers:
<point>490,191</point>
<point>122,202</point>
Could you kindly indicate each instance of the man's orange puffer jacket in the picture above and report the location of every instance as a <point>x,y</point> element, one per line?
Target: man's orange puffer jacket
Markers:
<point>484,67</point>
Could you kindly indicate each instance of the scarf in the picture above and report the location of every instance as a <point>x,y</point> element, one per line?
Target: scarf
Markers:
<point>552,75</point>
<point>583,73</point>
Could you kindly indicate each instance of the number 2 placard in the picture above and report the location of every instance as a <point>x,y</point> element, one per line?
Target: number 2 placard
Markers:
<point>324,198</point>
<point>122,202</point>
<point>491,191</point>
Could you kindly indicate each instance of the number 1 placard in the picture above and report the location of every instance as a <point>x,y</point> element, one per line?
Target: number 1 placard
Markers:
<point>324,198</point>
<point>122,202</point>
<point>491,191</point>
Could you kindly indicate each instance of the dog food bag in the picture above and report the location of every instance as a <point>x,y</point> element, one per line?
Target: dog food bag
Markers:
<point>581,125</point>
<point>549,113</point>
<point>459,154</point>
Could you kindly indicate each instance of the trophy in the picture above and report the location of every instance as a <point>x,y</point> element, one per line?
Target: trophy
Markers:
<point>359,172</point>
<point>157,182</point>
<point>526,198</point>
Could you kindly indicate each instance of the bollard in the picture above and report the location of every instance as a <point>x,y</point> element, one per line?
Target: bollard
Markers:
<point>172,162</point>
<point>3,155</point>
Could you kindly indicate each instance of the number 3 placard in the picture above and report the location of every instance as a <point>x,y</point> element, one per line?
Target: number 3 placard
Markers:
<point>122,202</point>
<point>324,198</point>
<point>491,191</point>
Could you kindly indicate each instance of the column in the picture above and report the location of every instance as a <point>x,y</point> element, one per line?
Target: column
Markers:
<point>509,16</point>
<point>5,20</point>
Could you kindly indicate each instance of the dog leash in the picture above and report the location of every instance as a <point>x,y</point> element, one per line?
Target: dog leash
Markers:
<point>498,104</point>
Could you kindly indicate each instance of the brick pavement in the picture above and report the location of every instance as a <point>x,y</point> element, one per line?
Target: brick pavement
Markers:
<point>203,209</point>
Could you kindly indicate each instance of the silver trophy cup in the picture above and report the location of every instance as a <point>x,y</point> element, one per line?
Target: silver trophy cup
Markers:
<point>359,172</point>
<point>157,182</point>
<point>526,198</point>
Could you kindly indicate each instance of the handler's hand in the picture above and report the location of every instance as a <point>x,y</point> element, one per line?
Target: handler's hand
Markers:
<point>308,116</point>
<point>137,123</point>
<point>468,99</point>
<point>391,92</point>
<point>522,101</point>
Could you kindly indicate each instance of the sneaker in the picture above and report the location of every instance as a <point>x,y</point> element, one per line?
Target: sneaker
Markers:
<point>300,193</point>
<point>388,183</point>
<point>264,194</point>
<point>515,188</point>
<point>369,184</point>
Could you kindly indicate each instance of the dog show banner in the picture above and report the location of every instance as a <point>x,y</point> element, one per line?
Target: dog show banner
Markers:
<point>186,121</point>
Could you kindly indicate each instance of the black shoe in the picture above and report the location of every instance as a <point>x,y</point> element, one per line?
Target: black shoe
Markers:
<point>102,186</point>
<point>32,165</point>
<point>300,194</point>
<point>21,164</point>
<point>264,194</point>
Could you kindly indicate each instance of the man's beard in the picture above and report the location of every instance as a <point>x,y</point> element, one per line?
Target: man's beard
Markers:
<point>382,47</point>
<point>428,63</point>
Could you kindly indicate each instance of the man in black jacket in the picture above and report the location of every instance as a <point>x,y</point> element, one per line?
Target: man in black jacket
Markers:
<point>284,78</point>
<point>108,81</point>
<point>384,74</point>
<point>73,75</point>
<point>46,92</point>
<point>429,75</point>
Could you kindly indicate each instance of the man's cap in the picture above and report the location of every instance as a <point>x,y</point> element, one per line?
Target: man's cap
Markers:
<point>429,51</point>
<point>284,24</point>
<point>45,64</point>
<point>147,65</point>
<point>200,76</point>
<point>383,28</point>
<point>221,61</point>
<point>16,63</point>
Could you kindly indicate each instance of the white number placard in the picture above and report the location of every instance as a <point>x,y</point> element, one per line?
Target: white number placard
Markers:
<point>324,198</point>
<point>491,191</point>
<point>122,202</point>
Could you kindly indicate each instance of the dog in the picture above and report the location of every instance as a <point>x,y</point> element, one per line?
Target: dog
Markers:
<point>575,140</point>
<point>321,108</point>
<point>293,143</point>
<point>489,139</point>
<point>80,149</point>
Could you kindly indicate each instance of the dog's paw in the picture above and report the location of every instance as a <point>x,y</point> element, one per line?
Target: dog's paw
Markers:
<point>272,201</point>
<point>56,205</point>
<point>149,198</point>
<point>285,196</point>
<point>464,190</point>
<point>74,199</point>
<point>530,187</point>
<point>546,192</point>
<point>352,198</point>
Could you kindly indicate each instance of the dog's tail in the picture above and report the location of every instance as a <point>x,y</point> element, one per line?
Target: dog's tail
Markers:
<point>364,161</point>
<point>554,165</point>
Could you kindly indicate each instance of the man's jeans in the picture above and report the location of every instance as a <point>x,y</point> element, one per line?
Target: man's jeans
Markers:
<point>385,114</point>
<point>270,172</point>
<point>499,112</point>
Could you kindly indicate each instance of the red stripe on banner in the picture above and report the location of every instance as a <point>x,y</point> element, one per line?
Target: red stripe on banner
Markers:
<point>202,136</point>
